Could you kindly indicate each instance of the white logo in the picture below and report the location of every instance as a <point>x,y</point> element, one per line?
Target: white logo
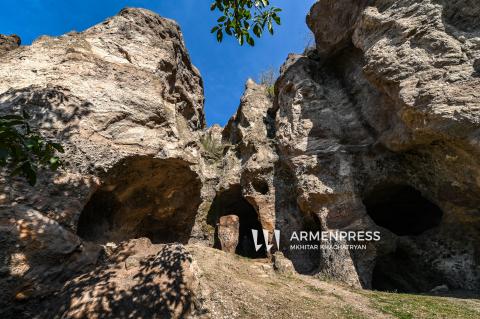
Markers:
<point>276,235</point>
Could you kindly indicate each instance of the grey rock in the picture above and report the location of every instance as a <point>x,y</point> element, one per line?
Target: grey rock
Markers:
<point>440,289</point>
<point>476,65</point>
<point>281,264</point>
<point>387,100</point>
<point>126,103</point>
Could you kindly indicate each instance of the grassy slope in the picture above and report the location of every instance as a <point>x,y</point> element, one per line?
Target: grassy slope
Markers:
<point>236,287</point>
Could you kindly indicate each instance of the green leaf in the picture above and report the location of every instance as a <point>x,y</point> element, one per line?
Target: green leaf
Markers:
<point>219,35</point>
<point>250,40</point>
<point>23,150</point>
<point>240,39</point>
<point>270,27</point>
<point>58,147</point>
<point>237,17</point>
<point>276,19</point>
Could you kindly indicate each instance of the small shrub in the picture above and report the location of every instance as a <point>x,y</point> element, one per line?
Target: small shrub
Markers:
<point>212,148</point>
<point>268,79</point>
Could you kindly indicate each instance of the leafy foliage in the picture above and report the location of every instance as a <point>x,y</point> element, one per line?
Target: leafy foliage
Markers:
<point>245,19</point>
<point>24,151</point>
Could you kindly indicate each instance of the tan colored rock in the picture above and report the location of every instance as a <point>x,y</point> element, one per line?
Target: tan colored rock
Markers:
<point>282,264</point>
<point>126,103</point>
<point>388,104</point>
<point>249,132</point>
<point>159,282</point>
<point>228,233</point>
<point>9,43</point>
<point>377,129</point>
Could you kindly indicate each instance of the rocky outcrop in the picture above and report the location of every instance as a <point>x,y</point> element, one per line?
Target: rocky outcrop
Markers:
<point>387,107</point>
<point>249,132</point>
<point>134,277</point>
<point>127,105</point>
<point>376,129</point>
<point>9,43</point>
<point>243,174</point>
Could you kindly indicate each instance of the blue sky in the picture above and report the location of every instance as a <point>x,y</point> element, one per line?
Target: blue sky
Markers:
<point>225,67</point>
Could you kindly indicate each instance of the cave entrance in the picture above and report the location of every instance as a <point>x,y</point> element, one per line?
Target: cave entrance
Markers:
<point>404,271</point>
<point>232,202</point>
<point>402,209</point>
<point>143,197</point>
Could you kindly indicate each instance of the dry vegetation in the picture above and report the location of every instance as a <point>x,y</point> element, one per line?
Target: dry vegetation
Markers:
<point>237,287</point>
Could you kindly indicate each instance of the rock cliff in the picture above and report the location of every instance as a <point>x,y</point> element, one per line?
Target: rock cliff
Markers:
<point>385,115</point>
<point>125,101</point>
<point>377,128</point>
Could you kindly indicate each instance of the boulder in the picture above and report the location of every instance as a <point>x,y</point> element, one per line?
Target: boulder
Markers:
<point>281,264</point>
<point>228,232</point>
<point>157,281</point>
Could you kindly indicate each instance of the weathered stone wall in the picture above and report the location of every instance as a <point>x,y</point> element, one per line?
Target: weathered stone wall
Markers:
<point>390,97</point>
<point>386,107</point>
<point>126,103</point>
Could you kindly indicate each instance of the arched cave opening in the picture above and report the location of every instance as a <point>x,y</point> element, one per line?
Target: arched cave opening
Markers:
<point>143,197</point>
<point>232,202</point>
<point>402,209</point>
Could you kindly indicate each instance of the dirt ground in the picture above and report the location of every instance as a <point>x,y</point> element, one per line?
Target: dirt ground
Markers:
<point>237,287</point>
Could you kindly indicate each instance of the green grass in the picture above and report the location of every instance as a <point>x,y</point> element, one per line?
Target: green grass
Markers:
<point>407,306</point>
<point>348,312</point>
<point>315,289</point>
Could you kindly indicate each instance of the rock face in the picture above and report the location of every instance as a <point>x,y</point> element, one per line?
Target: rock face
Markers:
<point>244,173</point>
<point>377,129</point>
<point>387,109</point>
<point>8,43</point>
<point>127,105</point>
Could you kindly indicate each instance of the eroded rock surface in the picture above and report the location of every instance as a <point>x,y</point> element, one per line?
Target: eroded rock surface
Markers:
<point>9,43</point>
<point>376,129</point>
<point>388,107</point>
<point>229,232</point>
<point>127,105</point>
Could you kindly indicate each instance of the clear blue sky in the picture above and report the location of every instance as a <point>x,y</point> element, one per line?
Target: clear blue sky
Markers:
<point>225,67</point>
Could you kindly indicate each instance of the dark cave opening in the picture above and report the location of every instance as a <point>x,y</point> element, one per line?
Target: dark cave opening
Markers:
<point>404,271</point>
<point>260,186</point>
<point>97,216</point>
<point>402,209</point>
<point>232,202</point>
<point>143,197</point>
